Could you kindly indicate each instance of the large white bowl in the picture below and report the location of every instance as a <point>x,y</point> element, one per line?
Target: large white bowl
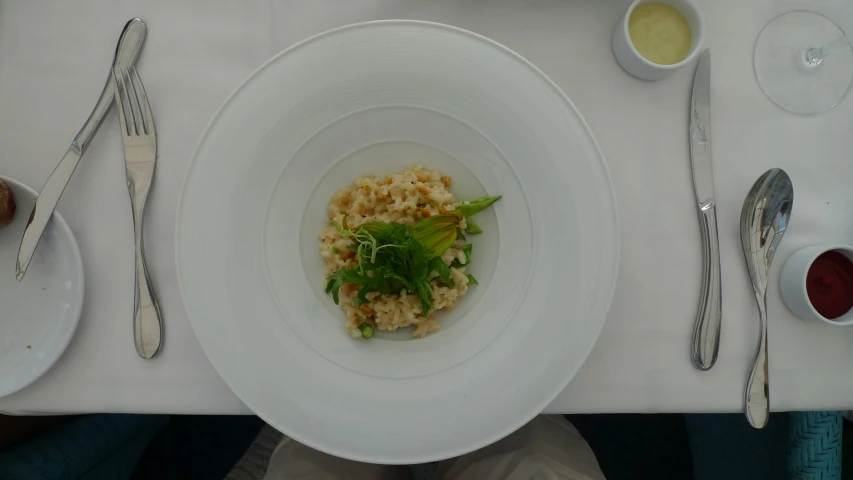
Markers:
<point>376,98</point>
<point>38,315</point>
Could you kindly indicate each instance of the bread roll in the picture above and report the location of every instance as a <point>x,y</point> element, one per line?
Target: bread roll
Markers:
<point>7,204</point>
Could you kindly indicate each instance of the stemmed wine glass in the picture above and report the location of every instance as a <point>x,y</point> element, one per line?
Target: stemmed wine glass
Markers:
<point>804,62</point>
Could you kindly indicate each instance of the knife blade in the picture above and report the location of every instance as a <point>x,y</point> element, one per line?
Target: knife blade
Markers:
<point>706,334</point>
<point>129,45</point>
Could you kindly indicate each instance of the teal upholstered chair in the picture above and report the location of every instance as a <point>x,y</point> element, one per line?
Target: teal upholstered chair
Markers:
<point>794,446</point>
<point>814,445</point>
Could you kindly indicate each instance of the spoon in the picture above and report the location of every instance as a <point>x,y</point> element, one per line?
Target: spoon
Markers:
<point>763,221</point>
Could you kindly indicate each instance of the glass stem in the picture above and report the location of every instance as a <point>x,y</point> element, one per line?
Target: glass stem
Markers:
<point>814,55</point>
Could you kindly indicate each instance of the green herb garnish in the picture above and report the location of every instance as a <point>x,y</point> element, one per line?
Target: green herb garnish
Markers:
<point>437,265</point>
<point>469,209</point>
<point>437,233</point>
<point>472,227</point>
<point>473,207</point>
<point>391,257</point>
<point>388,259</point>
<point>466,249</point>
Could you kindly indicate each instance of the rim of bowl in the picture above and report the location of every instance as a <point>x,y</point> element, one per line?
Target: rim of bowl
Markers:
<point>523,419</point>
<point>690,56</point>
<point>62,225</point>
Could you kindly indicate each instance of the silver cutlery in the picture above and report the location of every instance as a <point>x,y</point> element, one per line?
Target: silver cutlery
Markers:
<point>706,333</point>
<point>140,154</point>
<point>763,221</point>
<point>129,45</point>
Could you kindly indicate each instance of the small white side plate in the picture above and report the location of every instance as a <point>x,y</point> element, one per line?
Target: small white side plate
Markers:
<point>38,315</point>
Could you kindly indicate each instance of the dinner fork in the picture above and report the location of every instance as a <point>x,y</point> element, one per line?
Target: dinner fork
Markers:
<point>140,155</point>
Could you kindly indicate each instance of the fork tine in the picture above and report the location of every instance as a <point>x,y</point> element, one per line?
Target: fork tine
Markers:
<point>120,94</point>
<point>143,101</point>
<point>129,104</point>
<point>135,107</point>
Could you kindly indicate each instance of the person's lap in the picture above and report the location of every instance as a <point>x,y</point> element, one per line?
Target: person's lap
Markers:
<point>548,447</point>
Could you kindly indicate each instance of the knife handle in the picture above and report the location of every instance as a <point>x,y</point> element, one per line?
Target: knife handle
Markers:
<point>706,335</point>
<point>127,50</point>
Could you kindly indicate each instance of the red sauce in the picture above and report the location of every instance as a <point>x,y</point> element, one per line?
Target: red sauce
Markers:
<point>829,284</point>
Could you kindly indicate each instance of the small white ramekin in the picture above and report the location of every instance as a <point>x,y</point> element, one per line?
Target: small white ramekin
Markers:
<point>636,64</point>
<point>793,284</point>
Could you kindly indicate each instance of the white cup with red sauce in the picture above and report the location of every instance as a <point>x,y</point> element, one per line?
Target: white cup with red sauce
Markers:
<point>817,284</point>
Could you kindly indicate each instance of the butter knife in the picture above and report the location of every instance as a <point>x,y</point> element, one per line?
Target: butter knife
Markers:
<point>706,334</point>
<point>129,45</point>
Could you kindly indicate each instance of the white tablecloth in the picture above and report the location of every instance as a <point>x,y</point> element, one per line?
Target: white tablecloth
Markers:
<point>54,58</point>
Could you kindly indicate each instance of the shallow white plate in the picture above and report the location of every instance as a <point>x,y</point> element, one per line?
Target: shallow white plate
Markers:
<point>38,315</point>
<point>376,98</point>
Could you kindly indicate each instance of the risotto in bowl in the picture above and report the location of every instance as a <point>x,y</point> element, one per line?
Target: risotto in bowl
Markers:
<point>396,251</point>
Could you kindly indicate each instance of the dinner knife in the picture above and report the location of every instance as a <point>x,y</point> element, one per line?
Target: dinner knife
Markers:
<point>129,45</point>
<point>706,334</point>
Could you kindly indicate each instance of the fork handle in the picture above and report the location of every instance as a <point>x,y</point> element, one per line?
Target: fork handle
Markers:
<point>147,321</point>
